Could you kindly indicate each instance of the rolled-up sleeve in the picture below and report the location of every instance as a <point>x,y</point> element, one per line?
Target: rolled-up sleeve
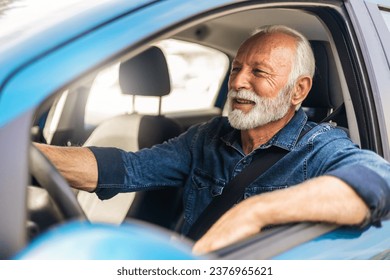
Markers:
<point>111,171</point>
<point>370,186</point>
<point>363,170</point>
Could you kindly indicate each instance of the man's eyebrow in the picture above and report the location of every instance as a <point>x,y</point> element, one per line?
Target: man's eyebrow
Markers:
<point>235,61</point>
<point>263,65</point>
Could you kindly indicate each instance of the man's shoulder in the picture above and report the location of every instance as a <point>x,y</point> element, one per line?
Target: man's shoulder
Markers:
<point>326,130</point>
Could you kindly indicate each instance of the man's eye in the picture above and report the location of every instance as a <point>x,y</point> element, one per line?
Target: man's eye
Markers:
<point>235,69</point>
<point>259,72</point>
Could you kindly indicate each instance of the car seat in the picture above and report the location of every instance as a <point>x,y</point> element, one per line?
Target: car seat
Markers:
<point>325,102</point>
<point>143,75</point>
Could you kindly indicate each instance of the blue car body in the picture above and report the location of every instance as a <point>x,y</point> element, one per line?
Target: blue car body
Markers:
<point>47,55</point>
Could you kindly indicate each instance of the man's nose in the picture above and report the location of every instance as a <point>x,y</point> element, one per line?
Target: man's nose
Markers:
<point>240,80</point>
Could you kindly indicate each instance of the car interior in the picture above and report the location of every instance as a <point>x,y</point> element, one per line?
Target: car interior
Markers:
<point>147,74</point>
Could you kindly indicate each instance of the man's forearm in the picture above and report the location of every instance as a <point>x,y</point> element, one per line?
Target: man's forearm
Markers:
<point>78,165</point>
<point>323,199</point>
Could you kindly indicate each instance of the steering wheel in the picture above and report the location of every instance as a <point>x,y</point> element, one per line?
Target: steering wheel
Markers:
<point>58,188</point>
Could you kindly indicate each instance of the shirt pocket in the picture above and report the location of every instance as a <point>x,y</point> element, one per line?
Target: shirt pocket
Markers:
<point>207,184</point>
<point>203,188</point>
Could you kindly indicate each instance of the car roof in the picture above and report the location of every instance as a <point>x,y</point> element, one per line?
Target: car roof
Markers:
<point>43,25</point>
<point>18,17</point>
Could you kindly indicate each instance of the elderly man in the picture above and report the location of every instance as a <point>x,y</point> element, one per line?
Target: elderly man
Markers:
<point>323,176</point>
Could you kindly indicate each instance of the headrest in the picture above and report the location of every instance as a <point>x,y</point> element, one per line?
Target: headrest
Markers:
<point>320,95</point>
<point>145,74</point>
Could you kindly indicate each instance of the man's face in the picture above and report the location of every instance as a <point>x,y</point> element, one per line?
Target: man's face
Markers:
<point>258,85</point>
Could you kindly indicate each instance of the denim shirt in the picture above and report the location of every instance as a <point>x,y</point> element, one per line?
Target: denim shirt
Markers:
<point>206,157</point>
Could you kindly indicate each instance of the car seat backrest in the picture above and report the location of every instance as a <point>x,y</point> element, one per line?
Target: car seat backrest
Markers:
<point>324,96</point>
<point>143,75</point>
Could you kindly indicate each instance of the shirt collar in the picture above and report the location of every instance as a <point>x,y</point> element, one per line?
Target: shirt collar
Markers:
<point>286,138</point>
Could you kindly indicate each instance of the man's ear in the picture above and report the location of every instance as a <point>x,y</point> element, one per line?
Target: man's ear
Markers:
<point>301,90</point>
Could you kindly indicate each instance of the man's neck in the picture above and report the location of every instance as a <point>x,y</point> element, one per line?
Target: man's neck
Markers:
<point>253,138</point>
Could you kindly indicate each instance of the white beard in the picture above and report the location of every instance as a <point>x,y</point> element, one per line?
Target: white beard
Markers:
<point>264,111</point>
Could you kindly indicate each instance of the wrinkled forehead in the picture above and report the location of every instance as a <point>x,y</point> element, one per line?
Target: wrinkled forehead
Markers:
<point>273,48</point>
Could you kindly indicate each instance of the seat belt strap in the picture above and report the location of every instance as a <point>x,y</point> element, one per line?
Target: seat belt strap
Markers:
<point>234,190</point>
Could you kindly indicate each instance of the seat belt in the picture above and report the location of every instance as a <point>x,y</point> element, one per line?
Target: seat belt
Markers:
<point>234,190</point>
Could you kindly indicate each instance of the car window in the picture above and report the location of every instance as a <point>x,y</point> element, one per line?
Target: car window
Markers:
<point>384,2</point>
<point>384,6</point>
<point>386,16</point>
<point>196,75</point>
